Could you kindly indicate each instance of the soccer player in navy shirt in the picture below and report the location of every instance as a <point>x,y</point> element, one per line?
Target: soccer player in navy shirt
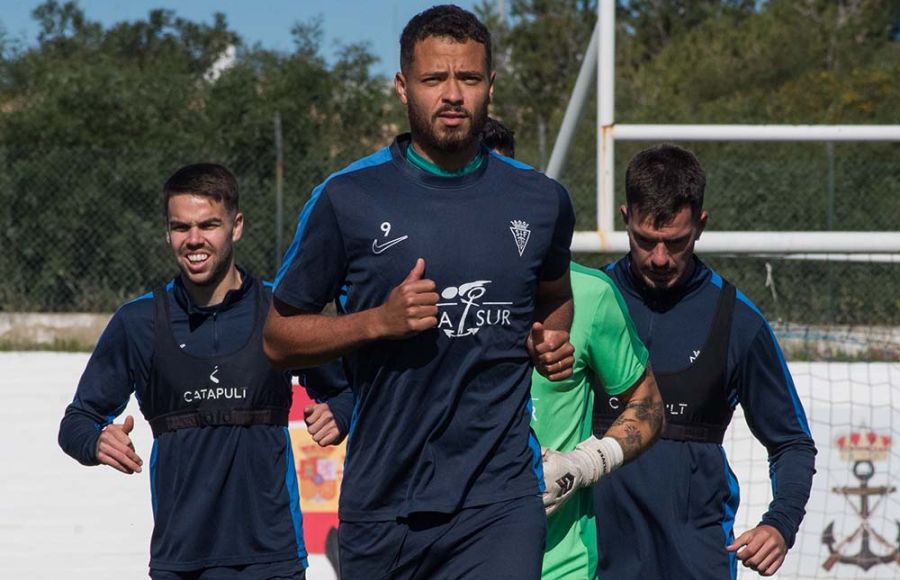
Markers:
<point>670,513</point>
<point>222,480</point>
<point>449,266</point>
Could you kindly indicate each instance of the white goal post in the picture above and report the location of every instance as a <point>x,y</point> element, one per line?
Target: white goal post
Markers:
<point>600,60</point>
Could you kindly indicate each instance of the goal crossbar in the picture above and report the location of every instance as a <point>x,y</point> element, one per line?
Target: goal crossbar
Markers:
<point>599,62</point>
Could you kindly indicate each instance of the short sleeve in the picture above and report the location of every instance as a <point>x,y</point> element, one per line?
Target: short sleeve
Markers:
<point>315,263</point>
<point>557,260</point>
<point>616,352</point>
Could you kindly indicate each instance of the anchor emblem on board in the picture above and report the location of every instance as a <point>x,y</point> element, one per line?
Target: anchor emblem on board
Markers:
<point>863,450</point>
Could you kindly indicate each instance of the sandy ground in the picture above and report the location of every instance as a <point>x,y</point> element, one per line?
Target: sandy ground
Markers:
<point>61,520</point>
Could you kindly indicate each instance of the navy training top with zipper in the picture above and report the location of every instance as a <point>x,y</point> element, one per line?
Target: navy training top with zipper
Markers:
<point>676,325</point>
<point>441,420</point>
<point>199,476</point>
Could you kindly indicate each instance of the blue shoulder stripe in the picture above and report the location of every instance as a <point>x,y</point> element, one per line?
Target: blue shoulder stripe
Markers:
<point>513,162</point>
<point>169,285</point>
<point>378,158</point>
<point>788,380</point>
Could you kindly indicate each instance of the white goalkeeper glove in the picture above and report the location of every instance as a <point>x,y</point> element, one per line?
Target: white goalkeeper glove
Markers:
<point>567,472</point>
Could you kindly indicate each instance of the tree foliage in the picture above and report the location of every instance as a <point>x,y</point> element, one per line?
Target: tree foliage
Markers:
<point>93,118</point>
<point>731,61</point>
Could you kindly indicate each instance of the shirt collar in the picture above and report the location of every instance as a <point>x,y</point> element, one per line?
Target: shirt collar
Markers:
<point>196,313</point>
<point>661,300</point>
<point>416,159</point>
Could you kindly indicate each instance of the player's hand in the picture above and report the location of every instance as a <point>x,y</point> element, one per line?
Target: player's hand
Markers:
<point>551,352</point>
<point>562,478</point>
<point>321,425</point>
<point>114,448</point>
<point>761,549</point>
<point>411,307</point>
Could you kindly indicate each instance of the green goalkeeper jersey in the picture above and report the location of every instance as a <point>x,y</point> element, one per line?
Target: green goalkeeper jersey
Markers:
<point>608,353</point>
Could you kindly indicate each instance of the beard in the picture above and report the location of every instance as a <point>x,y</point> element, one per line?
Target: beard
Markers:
<point>426,131</point>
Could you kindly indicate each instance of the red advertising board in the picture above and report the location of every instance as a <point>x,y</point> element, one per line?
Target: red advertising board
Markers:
<point>319,473</point>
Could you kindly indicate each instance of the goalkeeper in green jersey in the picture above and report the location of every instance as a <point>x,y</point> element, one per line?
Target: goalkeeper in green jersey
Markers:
<point>608,355</point>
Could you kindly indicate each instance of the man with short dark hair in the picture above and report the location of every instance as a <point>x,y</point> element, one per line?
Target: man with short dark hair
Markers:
<point>497,137</point>
<point>450,269</point>
<point>222,479</point>
<point>670,513</point>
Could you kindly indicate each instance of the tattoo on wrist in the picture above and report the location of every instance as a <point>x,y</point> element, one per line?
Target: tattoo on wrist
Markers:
<point>630,439</point>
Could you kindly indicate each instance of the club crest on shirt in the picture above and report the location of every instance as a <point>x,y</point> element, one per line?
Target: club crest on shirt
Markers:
<point>463,313</point>
<point>520,233</point>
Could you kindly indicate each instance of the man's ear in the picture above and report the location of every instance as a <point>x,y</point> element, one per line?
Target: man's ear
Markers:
<point>238,229</point>
<point>491,87</point>
<point>623,209</point>
<point>400,86</point>
<point>702,222</point>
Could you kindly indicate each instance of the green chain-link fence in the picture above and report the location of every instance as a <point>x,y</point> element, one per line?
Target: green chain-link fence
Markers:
<point>82,230</point>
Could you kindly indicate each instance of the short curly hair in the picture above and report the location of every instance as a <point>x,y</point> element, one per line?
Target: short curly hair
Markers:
<point>447,21</point>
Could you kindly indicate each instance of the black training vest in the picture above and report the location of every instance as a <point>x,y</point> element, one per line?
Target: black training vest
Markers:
<point>696,398</point>
<point>239,388</point>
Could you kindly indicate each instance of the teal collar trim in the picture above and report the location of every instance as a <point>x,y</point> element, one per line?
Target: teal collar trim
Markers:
<point>425,165</point>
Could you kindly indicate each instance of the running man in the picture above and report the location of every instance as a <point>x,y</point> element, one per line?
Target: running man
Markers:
<point>222,480</point>
<point>450,267</point>
<point>671,512</point>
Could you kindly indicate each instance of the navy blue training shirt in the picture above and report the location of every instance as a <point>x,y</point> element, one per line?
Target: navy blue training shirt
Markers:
<point>441,420</point>
<point>674,325</point>
<point>232,525</point>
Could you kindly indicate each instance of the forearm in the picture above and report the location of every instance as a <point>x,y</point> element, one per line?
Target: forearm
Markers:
<point>342,408</point>
<point>556,314</point>
<point>635,430</point>
<point>307,340</point>
<point>792,473</point>
<point>554,307</point>
<point>78,435</point>
<point>642,418</point>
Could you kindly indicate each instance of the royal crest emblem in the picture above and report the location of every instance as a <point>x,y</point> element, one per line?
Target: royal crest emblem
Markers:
<point>863,449</point>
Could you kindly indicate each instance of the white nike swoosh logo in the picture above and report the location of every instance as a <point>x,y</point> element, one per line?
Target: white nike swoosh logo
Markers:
<point>380,248</point>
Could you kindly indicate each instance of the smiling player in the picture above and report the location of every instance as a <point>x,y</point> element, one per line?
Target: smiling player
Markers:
<point>222,481</point>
